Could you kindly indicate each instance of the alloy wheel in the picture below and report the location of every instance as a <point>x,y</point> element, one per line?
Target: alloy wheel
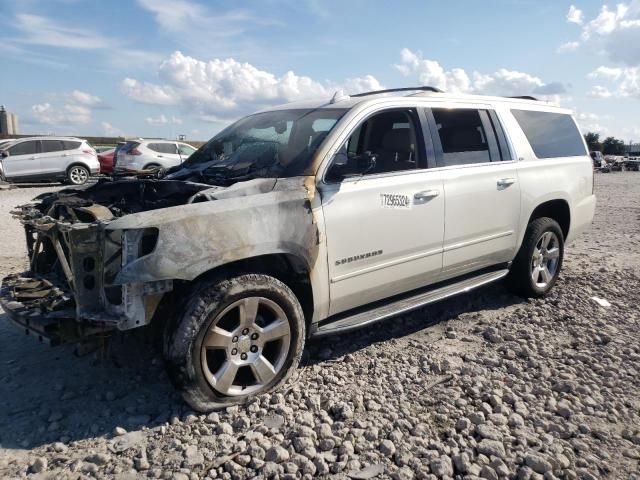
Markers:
<point>78,175</point>
<point>245,346</point>
<point>545,259</point>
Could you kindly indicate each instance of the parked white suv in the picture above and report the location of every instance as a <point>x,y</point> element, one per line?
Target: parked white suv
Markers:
<point>149,154</point>
<point>307,220</point>
<point>38,159</point>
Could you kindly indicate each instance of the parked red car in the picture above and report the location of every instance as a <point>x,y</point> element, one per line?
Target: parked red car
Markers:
<point>106,161</point>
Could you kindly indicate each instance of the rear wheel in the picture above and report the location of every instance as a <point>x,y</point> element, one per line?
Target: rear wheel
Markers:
<point>77,175</point>
<point>151,166</point>
<point>237,338</point>
<point>538,263</point>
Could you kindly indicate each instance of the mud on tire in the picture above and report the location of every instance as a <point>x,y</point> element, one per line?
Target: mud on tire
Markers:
<point>214,304</point>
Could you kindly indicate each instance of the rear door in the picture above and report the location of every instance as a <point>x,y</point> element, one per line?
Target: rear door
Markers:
<point>481,188</point>
<point>23,160</point>
<point>384,228</point>
<point>53,157</point>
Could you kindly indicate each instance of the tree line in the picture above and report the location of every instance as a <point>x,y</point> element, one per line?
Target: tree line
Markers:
<point>609,146</point>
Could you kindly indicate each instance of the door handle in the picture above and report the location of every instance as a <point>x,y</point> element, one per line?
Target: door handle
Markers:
<point>426,194</point>
<point>506,182</point>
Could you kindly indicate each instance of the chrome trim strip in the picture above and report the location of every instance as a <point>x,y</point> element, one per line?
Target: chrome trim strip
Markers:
<point>456,246</point>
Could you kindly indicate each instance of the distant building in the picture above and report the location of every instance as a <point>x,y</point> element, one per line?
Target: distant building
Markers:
<point>632,149</point>
<point>8,122</point>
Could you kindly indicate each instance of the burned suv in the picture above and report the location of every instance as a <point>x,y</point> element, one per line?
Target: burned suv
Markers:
<point>307,220</point>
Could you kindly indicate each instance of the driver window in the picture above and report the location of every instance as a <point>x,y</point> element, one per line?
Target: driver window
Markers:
<point>390,138</point>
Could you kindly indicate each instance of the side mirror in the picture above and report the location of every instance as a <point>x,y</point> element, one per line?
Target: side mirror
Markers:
<point>4,153</point>
<point>343,166</point>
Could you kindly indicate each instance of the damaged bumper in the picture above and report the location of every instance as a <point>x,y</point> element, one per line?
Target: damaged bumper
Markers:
<point>69,293</point>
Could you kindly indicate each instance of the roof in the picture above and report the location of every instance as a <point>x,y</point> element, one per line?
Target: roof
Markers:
<point>340,100</point>
<point>48,137</point>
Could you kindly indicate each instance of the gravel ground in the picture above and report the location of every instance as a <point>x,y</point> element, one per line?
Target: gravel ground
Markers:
<point>483,385</point>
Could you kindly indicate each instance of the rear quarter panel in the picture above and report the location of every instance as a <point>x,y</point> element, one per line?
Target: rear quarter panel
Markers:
<point>544,179</point>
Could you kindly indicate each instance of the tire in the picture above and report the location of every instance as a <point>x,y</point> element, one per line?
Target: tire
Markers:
<point>151,165</point>
<point>525,266</point>
<point>78,175</point>
<point>229,371</point>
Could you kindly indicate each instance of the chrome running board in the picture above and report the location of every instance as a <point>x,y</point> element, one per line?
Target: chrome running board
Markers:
<point>405,304</point>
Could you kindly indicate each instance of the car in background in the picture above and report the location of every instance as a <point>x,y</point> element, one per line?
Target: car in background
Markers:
<point>46,159</point>
<point>106,161</point>
<point>150,154</point>
<point>597,158</point>
<point>632,164</point>
<point>103,148</point>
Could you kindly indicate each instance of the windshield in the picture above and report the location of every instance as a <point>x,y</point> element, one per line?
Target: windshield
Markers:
<point>279,143</point>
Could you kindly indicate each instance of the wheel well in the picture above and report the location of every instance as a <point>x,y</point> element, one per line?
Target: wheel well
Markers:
<point>289,269</point>
<point>151,164</point>
<point>556,209</point>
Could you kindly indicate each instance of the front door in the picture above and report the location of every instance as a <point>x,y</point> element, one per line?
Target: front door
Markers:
<point>384,222</point>
<point>23,161</point>
<point>53,158</point>
<point>482,193</point>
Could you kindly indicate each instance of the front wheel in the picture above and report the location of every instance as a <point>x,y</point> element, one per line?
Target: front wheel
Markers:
<point>539,260</point>
<point>236,338</point>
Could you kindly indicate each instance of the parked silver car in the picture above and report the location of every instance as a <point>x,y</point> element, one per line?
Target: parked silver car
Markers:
<point>38,159</point>
<point>148,154</point>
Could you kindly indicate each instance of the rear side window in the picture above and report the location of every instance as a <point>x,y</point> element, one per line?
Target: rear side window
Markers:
<point>551,134</point>
<point>71,145</point>
<point>468,136</point>
<point>49,146</point>
<point>168,148</point>
<point>24,148</point>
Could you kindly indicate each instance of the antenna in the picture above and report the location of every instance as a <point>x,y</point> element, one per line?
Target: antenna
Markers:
<point>339,96</point>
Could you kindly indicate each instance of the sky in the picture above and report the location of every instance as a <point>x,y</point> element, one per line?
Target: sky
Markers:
<point>162,68</point>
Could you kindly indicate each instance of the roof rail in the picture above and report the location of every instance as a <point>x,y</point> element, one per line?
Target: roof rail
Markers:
<point>525,97</point>
<point>404,89</point>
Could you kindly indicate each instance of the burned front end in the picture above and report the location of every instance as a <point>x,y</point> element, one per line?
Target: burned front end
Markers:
<point>70,292</point>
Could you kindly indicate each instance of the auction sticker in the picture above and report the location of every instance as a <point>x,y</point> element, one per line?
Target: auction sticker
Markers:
<point>395,200</point>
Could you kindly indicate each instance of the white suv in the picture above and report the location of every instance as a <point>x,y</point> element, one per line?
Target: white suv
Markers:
<point>38,159</point>
<point>307,220</point>
<point>149,154</point>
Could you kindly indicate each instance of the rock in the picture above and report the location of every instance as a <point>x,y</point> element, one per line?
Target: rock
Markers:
<point>367,472</point>
<point>487,431</point>
<point>538,464</point>
<point>277,454</point>
<point>488,473</point>
<point>442,467</point>
<point>491,447</point>
<point>192,457</point>
<point>387,448</point>
<point>38,465</point>
<point>119,431</point>
<point>98,458</point>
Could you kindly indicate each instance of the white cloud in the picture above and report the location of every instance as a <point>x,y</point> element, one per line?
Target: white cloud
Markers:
<point>220,88</point>
<point>144,92</point>
<point>163,120</point>
<point>109,130</point>
<point>591,122</point>
<point>568,47</point>
<point>457,80</point>
<point>40,30</point>
<point>68,109</point>
<point>614,31</point>
<point>67,115</point>
<point>84,98</point>
<point>622,82</point>
<point>599,91</point>
<point>575,15</point>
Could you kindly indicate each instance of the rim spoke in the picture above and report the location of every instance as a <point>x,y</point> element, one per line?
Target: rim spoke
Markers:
<point>217,338</point>
<point>546,275</point>
<point>263,369</point>
<point>248,311</point>
<point>546,238</point>
<point>226,376</point>
<point>274,331</point>
<point>553,253</point>
<point>535,274</point>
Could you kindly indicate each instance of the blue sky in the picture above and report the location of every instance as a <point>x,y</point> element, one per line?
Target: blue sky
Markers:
<point>169,67</point>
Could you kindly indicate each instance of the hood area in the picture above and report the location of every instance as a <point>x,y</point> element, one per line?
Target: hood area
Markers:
<point>109,199</point>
